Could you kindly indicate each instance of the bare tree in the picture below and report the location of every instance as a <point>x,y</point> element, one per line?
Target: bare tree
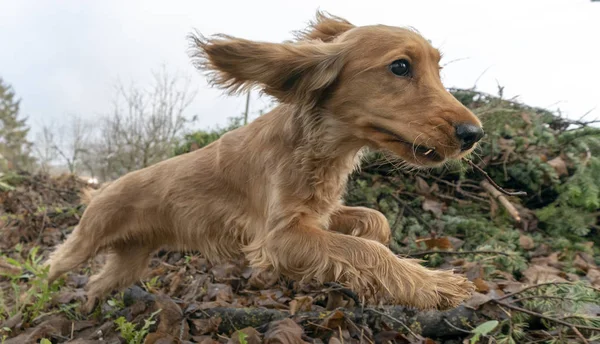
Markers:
<point>144,124</point>
<point>44,148</point>
<point>72,141</point>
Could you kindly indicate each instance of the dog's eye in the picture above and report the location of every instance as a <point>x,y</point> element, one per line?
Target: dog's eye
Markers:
<point>400,67</point>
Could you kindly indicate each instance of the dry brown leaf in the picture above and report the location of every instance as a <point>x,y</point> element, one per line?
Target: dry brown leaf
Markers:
<point>160,338</point>
<point>205,326</point>
<point>219,292</point>
<point>526,242</point>
<point>301,304</point>
<point>442,243</point>
<point>204,340</point>
<point>422,187</point>
<point>170,318</point>
<point>580,263</point>
<point>481,285</point>
<point>536,274</point>
<point>334,340</point>
<point>391,337</point>
<point>334,320</point>
<point>13,322</point>
<point>67,296</point>
<point>559,166</point>
<point>335,299</point>
<point>476,300</point>
<point>436,207</point>
<point>225,272</point>
<point>594,276</point>
<point>284,331</point>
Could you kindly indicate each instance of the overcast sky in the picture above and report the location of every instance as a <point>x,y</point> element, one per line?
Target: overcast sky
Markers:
<point>63,57</point>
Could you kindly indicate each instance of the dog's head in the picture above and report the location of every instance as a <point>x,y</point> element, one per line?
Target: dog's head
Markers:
<point>380,83</point>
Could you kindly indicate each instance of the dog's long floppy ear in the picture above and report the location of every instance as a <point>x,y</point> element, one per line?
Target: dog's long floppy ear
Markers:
<point>325,27</point>
<point>291,72</point>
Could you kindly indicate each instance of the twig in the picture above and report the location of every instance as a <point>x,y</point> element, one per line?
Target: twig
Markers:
<point>532,297</point>
<point>458,253</point>
<point>456,328</point>
<point>401,201</point>
<point>537,286</point>
<point>487,176</point>
<point>541,316</point>
<point>585,341</point>
<point>394,319</point>
<point>503,200</point>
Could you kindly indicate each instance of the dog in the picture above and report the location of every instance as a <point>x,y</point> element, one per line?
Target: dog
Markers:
<point>271,191</point>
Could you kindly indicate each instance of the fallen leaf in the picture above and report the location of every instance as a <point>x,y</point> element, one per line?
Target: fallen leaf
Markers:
<point>160,338</point>
<point>170,317</point>
<point>581,264</point>
<point>13,322</point>
<point>204,340</point>
<point>434,206</point>
<point>335,299</point>
<point>284,331</point>
<point>225,272</point>
<point>594,276</point>
<point>442,243</point>
<point>476,300</point>
<point>334,320</point>
<point>559,166</point>
<point>391,337</point>
<point>536,274</point>
<point>301,304</point>
<point>481,285</point>
<point>219,292</point>
<point>67,296</point>
<point>205,326</point>
<point>526,242</point>
<point>422,186</point>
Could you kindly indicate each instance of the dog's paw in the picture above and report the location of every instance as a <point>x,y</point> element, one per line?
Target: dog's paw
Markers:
<point>451,289</point>
<point>90,305</point>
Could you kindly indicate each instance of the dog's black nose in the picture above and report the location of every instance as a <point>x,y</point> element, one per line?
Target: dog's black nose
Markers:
<point>468,134</point>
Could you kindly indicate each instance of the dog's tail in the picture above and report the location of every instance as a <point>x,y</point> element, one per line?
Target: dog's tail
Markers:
<point>87,194</point>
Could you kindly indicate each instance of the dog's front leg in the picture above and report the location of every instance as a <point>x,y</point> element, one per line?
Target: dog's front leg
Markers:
<point>361,222</point>
<point>303,251</point>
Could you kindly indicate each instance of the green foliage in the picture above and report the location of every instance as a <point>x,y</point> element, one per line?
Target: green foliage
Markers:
<point>242,337</point>
<point>129,332</point>
<point>483,330</point>
<point>15,149</point>
<point>32,298</point>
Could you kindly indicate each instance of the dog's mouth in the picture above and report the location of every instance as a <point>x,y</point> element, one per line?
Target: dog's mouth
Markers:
<point>421,153</point>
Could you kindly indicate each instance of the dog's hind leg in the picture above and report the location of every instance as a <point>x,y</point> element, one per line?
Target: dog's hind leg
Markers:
<point>73,252</point>
<point>125,265</point>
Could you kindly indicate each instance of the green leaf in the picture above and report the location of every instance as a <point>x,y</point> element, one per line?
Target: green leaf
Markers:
<point>486,327</point>
<point>483,329</point>
<point>242,338</point>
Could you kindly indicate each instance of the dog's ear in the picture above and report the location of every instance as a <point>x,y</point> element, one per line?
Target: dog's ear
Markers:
<point>325,28</point>
<point>291,72</point>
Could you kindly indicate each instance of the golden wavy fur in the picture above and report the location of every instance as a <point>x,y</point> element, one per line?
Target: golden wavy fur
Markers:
<point>271,190</point>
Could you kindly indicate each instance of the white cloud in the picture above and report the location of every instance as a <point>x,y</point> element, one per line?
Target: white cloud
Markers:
<point>62,57</point>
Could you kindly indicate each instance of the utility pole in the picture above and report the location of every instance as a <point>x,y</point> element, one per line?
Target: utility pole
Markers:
<point>247,107</point>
